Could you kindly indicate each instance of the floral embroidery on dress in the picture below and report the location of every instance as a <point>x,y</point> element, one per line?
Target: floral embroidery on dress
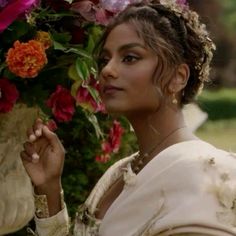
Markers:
<point>86,223</point>
<point>130,178</point>
<point>227,197</point>
<point>208,162</point>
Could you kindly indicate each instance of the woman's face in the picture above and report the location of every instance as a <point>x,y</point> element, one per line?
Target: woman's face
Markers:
<point>126,75</point>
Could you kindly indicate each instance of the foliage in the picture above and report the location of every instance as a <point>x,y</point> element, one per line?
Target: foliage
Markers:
<point>229,16</point>
<point>219,104</point>
<point>221,133</point>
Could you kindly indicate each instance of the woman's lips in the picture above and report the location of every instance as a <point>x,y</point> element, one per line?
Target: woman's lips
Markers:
<point>109,89</point>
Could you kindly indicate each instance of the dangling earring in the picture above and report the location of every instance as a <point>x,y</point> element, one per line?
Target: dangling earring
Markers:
<point>174,100</point>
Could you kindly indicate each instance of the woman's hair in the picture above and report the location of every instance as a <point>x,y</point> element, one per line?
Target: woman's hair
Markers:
<point>175,34</point>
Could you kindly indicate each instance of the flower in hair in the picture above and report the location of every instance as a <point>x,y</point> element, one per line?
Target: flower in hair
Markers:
<point>191,18</point>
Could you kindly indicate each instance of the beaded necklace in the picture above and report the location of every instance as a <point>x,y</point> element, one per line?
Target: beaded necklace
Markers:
<point>138,161</point>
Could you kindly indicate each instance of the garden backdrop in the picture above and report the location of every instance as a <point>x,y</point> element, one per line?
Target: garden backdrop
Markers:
<point>59,38</point>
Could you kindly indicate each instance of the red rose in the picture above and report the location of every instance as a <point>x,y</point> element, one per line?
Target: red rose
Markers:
<point>8,95</point>
<point>62,104</point>
<point>51,124</point>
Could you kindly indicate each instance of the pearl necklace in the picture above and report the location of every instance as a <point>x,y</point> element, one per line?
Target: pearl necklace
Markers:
<point>138,160</point>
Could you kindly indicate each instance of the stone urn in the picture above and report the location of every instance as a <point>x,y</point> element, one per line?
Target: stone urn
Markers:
<point>16,192</point>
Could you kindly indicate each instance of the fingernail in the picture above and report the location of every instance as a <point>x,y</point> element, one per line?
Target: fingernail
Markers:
<point>32,138</point>
<point>35,158</point>
<point>38,133</point>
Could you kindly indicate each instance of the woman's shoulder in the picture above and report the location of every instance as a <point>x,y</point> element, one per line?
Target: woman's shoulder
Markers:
<point>192,165</point>
<point>198,184</point>
<point>196,153</point>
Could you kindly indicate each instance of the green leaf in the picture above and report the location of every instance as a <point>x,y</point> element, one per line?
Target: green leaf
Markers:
<point>2,67</point>
<point>19,30</point>
<point>93,120</point>
<point>59,46</point>
<point>63,38</point>
<point>91,44</point>
<point>82,69</point>
<point>94,93</point>
<point>75,87</point>
<point>72,73</point>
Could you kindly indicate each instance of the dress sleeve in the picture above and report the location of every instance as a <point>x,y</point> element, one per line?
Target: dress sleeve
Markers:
<point>57,225</point>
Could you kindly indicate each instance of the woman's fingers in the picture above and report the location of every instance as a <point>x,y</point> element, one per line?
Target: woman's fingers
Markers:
<point>30,134</point>
<point>30,152</point>
<point>36,131</point>
<point>52,138</point>
<point>38,126</point>
<point>26,158</point>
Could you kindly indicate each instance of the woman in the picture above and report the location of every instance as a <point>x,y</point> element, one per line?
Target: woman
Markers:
<point>154,57</point>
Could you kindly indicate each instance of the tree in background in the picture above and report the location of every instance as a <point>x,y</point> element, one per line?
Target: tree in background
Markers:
<point>220,17</point>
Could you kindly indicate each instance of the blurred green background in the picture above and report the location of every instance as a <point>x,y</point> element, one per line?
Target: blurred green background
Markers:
<point>219,97</point>
<point>220,128</point>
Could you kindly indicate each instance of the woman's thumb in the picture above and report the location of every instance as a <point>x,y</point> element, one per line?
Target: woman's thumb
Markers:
<point>51,137</point>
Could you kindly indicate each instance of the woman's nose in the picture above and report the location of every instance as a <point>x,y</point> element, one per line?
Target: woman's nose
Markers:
<point>110,70</point>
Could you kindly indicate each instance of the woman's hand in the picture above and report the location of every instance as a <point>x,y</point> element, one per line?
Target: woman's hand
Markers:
<point>43,157</point>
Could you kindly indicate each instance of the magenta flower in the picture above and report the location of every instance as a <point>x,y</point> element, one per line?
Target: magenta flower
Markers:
<point>12,10</point>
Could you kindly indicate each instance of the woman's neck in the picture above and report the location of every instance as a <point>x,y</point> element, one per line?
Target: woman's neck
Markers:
<point>160,130</point>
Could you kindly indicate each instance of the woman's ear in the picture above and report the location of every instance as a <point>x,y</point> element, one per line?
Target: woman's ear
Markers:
<point>180,79</point>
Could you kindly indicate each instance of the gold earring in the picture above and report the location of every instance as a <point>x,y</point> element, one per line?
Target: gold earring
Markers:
<point>174,100</point>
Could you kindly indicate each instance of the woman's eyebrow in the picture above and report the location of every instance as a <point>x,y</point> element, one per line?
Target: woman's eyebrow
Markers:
<point>125,47</point>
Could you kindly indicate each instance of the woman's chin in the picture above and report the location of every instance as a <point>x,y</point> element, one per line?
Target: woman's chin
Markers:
<point>114,110</point>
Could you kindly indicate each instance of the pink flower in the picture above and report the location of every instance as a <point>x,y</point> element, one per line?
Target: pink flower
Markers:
<point>106,147</point>
<point>116,5</point>
<point>102,16</point>
<point>8,95</point>
<point>13,10</point>
<point>91,12</point>
<point>115,136</point>
<point>85,8</point>
<point>181,2</point>
<point>62,104</point>
<point>85,99</point>
<point>112,144</point>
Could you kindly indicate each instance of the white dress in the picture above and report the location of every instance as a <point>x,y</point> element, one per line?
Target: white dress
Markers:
<point>187,189</point>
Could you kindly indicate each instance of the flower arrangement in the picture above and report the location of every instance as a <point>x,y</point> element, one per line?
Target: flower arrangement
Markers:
<point>46,62</point>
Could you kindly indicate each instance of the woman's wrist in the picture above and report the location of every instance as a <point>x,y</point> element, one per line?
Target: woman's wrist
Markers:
<point>50,194</point>
<point>48,188</point>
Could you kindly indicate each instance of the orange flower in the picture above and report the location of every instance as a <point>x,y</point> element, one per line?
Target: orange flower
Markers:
<point>44,38</point>
<point>26,59</point>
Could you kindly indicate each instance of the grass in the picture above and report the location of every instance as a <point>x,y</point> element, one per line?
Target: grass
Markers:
<point>221,133</point>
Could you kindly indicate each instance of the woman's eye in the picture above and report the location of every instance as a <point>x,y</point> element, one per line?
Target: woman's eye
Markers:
<point>130,58</point>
